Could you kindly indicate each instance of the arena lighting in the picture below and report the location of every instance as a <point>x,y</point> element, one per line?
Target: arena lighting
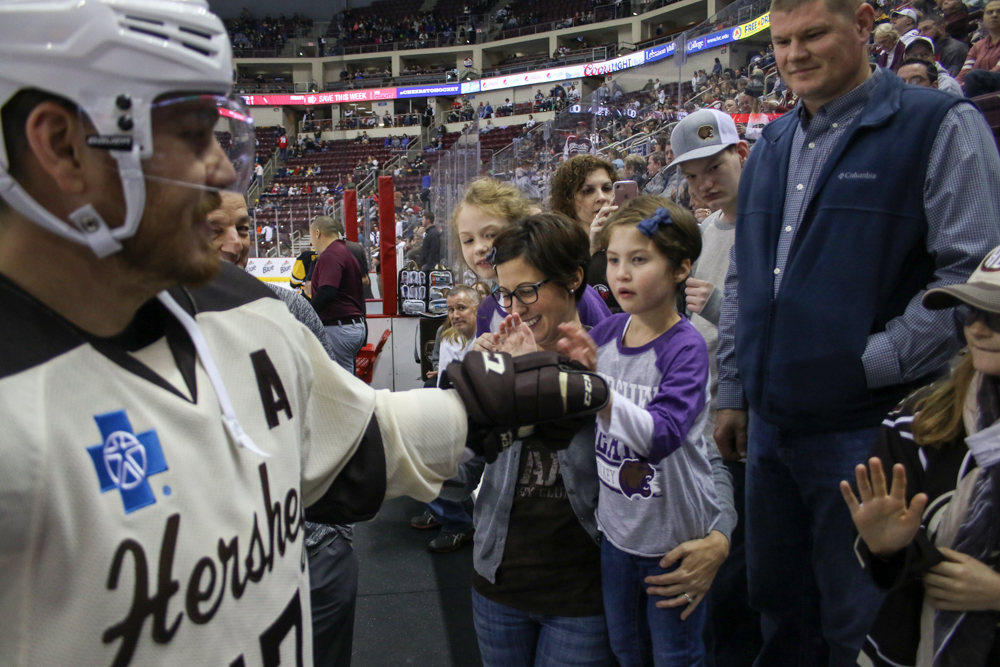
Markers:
<point>604,67</point>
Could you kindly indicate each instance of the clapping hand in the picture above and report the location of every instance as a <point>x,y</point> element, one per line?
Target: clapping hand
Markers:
<point>515,337</point>
<point>883,519</point>
<point>488,342</point>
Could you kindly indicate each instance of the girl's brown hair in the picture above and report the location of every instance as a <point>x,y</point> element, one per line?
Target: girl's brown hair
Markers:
<point>569,179</point>
<point>939,412</point>
<point>677,241</point>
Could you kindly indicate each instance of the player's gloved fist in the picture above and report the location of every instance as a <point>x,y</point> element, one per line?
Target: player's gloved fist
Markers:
<point>503,393</point>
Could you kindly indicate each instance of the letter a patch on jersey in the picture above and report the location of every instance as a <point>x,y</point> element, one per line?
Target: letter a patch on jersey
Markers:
<point>125,460</point>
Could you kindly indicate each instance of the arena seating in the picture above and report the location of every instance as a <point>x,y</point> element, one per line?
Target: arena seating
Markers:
<point>990,106</point>
<point>267,141</point>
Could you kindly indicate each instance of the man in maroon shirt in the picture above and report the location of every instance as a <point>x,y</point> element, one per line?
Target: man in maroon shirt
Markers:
<point>337,292</point>
<point>981,72</point>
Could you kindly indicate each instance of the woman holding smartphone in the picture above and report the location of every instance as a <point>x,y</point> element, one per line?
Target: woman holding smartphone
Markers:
<point>583,190</point>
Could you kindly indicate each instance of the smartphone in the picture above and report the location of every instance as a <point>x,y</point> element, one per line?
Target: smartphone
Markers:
<point>625,190</point>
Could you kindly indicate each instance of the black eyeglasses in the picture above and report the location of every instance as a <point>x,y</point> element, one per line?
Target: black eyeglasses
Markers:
<point>526,294</point>
<point>968,315</point>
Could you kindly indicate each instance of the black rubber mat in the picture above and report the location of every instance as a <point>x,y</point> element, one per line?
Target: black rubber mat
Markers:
<point>414,607</point>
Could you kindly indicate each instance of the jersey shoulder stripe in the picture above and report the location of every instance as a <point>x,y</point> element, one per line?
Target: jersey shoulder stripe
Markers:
<point>231,288</point>
<point>32,334</point>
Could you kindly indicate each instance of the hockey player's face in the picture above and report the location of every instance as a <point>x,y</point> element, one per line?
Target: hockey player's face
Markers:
<point>175,239</point>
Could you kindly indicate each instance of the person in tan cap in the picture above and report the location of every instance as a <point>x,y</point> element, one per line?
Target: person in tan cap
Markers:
<point>931,535</point>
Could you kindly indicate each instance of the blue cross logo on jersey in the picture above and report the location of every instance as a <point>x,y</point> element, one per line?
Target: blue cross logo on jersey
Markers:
<point>125,460</point>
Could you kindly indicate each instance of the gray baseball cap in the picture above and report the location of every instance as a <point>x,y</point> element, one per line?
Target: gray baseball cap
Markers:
<point>702,134</point>
<point>982,290</point>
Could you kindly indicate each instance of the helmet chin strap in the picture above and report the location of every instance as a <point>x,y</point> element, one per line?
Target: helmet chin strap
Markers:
<point>89,228</point>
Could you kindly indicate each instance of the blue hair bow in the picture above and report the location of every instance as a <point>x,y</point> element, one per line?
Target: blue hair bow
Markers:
<point>659,219</point>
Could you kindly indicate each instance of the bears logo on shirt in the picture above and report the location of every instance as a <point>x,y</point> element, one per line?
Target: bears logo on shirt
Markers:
<point>634,477</point>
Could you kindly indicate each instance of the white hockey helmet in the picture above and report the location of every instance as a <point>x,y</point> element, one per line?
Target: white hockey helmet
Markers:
<point>116,60</point>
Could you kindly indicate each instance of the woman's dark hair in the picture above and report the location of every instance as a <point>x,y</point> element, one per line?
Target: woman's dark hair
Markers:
<point>569,179</point>
<point>550,242</point>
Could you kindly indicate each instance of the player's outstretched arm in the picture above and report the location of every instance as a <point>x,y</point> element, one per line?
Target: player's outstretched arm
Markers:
<point>413,440</point>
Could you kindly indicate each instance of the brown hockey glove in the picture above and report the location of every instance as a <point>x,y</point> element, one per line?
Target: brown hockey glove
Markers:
<point>503,393</point>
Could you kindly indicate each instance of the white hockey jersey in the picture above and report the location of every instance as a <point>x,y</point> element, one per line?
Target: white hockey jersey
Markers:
<point>135,531</point>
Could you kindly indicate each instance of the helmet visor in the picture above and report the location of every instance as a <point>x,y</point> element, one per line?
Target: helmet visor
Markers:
<point>201,141</point>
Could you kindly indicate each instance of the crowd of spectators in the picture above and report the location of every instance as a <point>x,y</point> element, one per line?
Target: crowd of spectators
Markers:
<point>250,34</point>
<point>415,32</point>
<point>947,45</point>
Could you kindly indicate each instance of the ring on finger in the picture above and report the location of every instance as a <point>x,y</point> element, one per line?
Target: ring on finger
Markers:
<point>687,596</point>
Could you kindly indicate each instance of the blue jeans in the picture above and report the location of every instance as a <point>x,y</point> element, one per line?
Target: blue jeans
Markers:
<point>512,638</point>
<point>451,514</point>
<point>347,339</point>
<point>816,602</point>
<point>642,634</point>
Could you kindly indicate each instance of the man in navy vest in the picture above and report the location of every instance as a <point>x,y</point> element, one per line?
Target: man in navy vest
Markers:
<point>851,205</point>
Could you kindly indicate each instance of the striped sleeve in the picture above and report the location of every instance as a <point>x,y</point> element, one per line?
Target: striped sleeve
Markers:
<point>970,62</point>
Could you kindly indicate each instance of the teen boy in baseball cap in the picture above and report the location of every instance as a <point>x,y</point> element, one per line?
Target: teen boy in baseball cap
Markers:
<point>710,156</point>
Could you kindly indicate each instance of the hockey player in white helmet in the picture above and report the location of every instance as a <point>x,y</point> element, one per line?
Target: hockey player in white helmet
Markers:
<point>165,424</point>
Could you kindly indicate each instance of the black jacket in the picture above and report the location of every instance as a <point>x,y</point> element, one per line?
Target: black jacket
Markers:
<point>430,251</point>
<point>895,634</point>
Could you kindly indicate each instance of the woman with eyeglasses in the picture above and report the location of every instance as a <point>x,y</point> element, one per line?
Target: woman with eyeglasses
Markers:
<point>929,509</point>
<point>487,207</point>
<point>537,597</point>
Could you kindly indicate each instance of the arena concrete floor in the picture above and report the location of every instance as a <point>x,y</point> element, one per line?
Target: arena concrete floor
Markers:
<point>414,607</point>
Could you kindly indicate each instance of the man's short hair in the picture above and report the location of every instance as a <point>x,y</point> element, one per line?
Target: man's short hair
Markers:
<point>328,226</point>
<point>636,163</point>
<point>429,216</point>
<point>659,158</point>
<point>845,8</point>
<point>936,19</point>
<point>932,73</point>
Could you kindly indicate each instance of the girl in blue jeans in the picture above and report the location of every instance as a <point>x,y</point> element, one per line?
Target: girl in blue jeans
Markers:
<point>656,486</point>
